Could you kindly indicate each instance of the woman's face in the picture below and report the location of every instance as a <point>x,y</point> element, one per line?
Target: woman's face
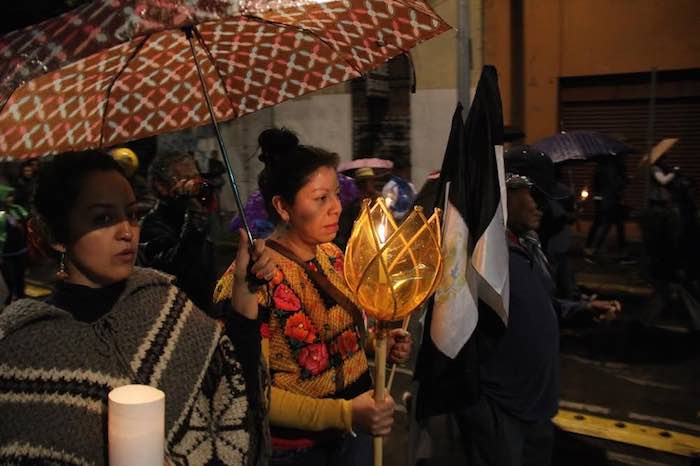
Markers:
<point>103,231</point>
<point>314,216</point>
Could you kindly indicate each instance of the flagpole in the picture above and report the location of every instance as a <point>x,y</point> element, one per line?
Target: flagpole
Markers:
<point>463,54</point>
<point>407,319</point>
<point>379,383</point>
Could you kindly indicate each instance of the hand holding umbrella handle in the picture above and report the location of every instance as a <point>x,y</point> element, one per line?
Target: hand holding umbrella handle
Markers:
<point>253,281</point>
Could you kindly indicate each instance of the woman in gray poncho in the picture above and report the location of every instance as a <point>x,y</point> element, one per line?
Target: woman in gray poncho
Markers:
<point>110,323</point>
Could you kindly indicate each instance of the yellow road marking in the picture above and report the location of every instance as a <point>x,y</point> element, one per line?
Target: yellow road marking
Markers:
<point>627,432</point>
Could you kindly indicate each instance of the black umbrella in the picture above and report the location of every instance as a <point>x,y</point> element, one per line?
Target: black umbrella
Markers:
<point>581,145</point>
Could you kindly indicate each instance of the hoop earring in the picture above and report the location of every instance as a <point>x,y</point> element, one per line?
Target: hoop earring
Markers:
<point>62,273</point>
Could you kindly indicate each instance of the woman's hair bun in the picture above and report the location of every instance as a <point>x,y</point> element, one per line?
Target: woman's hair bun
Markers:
<point>276,142</point>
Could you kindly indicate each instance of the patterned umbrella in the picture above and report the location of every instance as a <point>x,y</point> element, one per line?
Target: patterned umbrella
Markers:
<point>580,145</point>
<point>112,71</point>
<point>117,70</point>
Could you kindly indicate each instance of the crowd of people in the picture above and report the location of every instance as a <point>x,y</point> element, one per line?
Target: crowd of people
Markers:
<point>267,364</point>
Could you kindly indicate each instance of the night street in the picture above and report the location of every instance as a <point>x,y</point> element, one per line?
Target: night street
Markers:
<point>643,376</point>
<point>228,229</point>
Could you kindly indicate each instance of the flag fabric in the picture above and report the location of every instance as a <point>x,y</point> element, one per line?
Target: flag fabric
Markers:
<point>475,281</point>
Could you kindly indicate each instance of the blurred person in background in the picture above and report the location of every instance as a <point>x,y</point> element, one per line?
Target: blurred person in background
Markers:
<point>609,182</point>
<point>670,229</point>
<point>13,243</point>
<point>175,232</point>
<point>24,183</point>
<point>369,184</point>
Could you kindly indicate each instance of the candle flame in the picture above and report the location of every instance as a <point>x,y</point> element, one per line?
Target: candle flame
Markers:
<point>584,194</point>
<point>381,233</point>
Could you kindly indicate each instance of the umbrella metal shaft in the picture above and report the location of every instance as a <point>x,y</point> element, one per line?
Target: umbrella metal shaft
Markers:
<point>220,140</point>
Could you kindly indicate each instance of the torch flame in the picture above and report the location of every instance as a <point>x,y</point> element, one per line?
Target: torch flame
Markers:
<point>393,269</point>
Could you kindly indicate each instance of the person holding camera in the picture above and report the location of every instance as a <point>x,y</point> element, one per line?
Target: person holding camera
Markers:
<point>175,232</point>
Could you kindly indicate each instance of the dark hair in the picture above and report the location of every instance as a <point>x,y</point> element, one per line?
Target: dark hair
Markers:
<point>161,167</point>
<point>59,181</point>
<point>288,166</point>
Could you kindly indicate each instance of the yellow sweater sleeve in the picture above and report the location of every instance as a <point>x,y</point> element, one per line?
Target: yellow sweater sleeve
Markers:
<point>288,409</point>
<point>293,410</point>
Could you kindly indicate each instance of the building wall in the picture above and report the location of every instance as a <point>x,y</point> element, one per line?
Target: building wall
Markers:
<point>565,38</point>
<point>324,118</point>
<point>631,36</point>
<point>434,101</point>
<point>321,119</point>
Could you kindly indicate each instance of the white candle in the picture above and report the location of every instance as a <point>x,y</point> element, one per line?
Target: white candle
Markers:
<point>136,426</point>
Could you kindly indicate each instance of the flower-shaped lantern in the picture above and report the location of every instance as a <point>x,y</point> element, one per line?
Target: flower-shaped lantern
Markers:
<point>393,269</point>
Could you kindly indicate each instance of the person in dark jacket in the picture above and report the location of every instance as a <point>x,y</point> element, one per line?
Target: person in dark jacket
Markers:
<point>510,424</point>
<point>24,184</point>
<point>175,232</point>
<point>608,188</point>
<point>13,243</point>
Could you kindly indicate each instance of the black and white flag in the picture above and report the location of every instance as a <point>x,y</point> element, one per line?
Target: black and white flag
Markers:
<point>474,247</point>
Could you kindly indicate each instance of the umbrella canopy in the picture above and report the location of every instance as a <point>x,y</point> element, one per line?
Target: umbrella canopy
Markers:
<point>112,71</point>
<point>659,150</point>
<point>580,145</point>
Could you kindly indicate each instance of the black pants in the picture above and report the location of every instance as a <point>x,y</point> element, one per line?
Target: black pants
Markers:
<point>492,437</point>
<point>607,214</point>
<point>13,268</point>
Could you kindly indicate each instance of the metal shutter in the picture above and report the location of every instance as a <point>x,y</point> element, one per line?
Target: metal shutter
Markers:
<point>627,118</point>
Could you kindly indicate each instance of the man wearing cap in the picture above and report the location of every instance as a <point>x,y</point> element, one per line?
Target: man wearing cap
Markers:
<point>366,180</point>
<point>519,368</point>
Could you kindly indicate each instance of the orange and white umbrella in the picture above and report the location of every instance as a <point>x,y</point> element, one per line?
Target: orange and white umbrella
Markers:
<point>112,71</point>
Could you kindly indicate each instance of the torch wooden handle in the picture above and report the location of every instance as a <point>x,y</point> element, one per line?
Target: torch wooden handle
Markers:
<point>379,384</point>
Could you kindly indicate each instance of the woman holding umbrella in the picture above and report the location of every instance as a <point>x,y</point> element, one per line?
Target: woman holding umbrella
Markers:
<point>110,324</point>
<point>321,410</point>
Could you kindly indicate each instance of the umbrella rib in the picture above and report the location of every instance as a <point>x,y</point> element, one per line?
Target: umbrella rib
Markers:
<point>201,41</point>
<point>212,60</point>
<point>137,49</point>
<point>312,33</point>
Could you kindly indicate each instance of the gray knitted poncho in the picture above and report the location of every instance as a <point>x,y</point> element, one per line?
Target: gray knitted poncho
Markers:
<point>56,372</point>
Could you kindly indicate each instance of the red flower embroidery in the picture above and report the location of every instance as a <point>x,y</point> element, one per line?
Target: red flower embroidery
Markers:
<point>285,298</point>
<point>265,330</point>
<point>300,328</point>
<point>338,265</point>
<point>347,343</point>
<point>314,358</point>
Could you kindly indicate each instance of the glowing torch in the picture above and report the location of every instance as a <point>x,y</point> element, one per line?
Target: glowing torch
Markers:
<point>392,270</point>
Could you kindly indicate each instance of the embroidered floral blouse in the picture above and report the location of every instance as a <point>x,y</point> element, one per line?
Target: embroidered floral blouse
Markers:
<point>313,349</point>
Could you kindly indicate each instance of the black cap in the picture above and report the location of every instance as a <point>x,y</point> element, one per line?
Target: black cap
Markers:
<point>535,166</point>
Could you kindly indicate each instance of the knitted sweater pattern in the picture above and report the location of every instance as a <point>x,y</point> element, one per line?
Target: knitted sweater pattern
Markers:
<point>56,372</point>
<point>313,346</point>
